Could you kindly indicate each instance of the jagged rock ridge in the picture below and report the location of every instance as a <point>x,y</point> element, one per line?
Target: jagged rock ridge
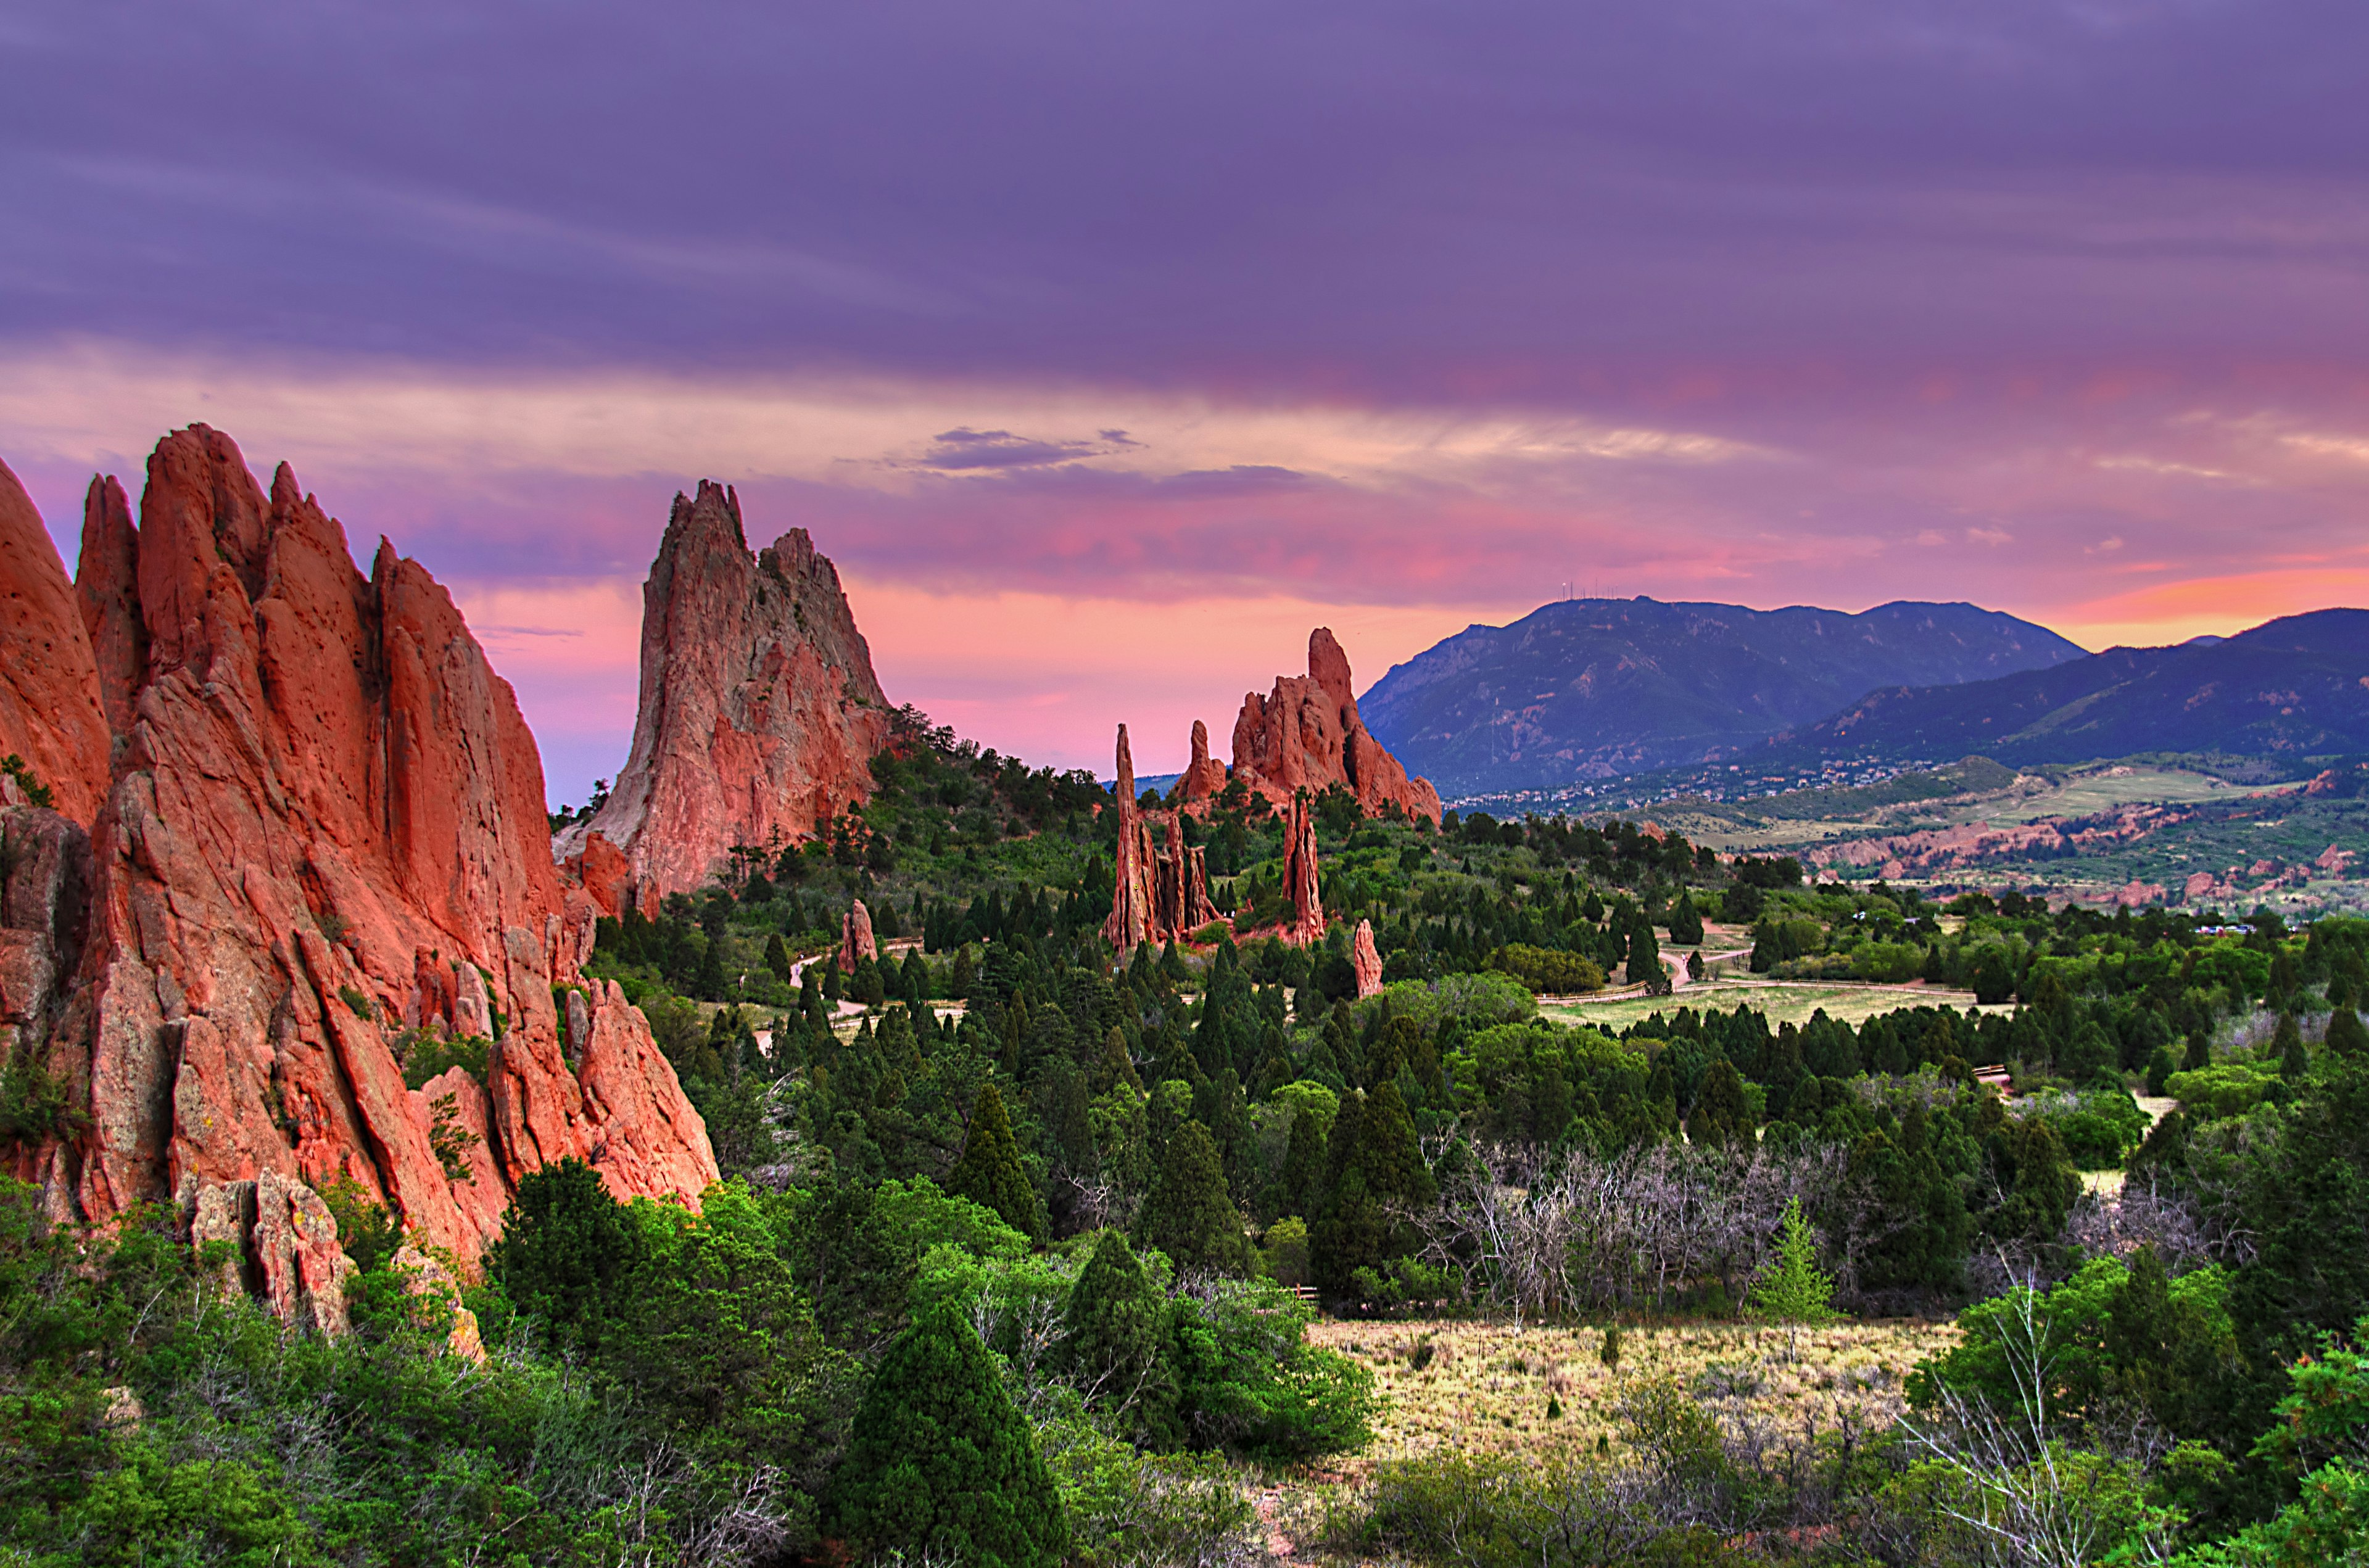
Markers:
<point>316,831</point>
<point>1307,734</point>
<point>759,714</point>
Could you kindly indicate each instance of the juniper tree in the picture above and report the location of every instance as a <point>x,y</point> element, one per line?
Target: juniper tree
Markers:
<point>940,1463</point>
<point>1188,1214</point>
<point>1722,1117</point>
<point>990,1172</point>
<point>1118,1342</point>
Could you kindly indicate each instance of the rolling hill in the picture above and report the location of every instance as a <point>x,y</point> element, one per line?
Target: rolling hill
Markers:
<point>1595,688</point>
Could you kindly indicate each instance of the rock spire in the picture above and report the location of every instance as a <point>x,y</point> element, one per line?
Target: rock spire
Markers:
<point>1367,961</point>
<point>1307,735</point>
<point>759,714</point>
<point>855,939</point>
<point>318,828</point>
<point>1300,876</point>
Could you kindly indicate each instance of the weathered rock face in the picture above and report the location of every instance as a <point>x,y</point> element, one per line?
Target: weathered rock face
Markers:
<point>856,938</point>
<point>323,831</point>
<point>1306,735</point>
<point>1367,961</point>
<point>49,713</point>
<point>1299,875</point>
<point>599,867</point>
<point>759,714</point>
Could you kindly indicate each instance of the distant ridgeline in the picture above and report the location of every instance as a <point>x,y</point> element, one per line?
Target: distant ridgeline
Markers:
<point>1598,687</point>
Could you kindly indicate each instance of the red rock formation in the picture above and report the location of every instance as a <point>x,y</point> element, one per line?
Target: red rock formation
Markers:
<point>1299,875</point>
<point>324,825</point>
<point>1131,918</point>
<point>50,712</point>
<point>1365,961</point>
<point>1203,778</point>
<point>759,714</point>
<point>855,940</point>
<point>1307,734</point>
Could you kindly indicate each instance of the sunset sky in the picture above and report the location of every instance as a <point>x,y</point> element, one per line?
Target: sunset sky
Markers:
<point>1109,348</point>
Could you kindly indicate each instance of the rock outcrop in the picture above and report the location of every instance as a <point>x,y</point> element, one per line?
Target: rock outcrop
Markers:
<point>322,838</point>
<point>1160,893</point>
<point>759,715</point>
<point>1306,735</point>
<point>1299,875</point>
<point>1367,961</point>
<point>856,938</point>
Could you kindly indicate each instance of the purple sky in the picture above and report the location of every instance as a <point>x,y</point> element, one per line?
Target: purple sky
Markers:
<point>1108,347</point>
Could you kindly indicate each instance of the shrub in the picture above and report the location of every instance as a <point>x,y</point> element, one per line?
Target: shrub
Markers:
<point>565,1252</point>
<point>1548,971</point>
<point>426,1055</point>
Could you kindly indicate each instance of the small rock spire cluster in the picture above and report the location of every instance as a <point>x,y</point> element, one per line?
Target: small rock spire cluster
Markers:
<point>1159,894</point>
<point>1299,875</point>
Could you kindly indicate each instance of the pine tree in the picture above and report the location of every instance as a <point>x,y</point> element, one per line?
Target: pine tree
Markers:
<point>2286,1039</point>
<point>1188,1215</point>
<point>940,1462</point>
<point>2346,1035</point>
<point>777,957</point>
<point>1792,1290</point>
<point>990,1172</point>
<point>1299,1185</point>
<point>1117,1344</point>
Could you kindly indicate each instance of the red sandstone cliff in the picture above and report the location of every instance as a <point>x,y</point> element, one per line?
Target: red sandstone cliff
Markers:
<point>322,830</point>
<point>1307,734</point>
<point>759,714</point>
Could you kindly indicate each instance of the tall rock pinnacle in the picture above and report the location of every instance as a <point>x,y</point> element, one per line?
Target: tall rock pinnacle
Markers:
<point>759,714</point>
<point>1299,875</point>
<point>1159,894</point>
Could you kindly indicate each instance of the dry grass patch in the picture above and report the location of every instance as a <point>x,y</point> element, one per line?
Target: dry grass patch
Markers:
<point>1484,1386</point>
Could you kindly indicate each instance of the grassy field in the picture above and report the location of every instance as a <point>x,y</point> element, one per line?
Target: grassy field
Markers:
<point>1484,1386</point>
<point>1784,1002</point>
<point>1737,828</point>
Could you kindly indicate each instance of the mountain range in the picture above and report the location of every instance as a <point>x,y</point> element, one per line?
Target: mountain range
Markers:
<point>1597,688</point>
<point>2295,687</point>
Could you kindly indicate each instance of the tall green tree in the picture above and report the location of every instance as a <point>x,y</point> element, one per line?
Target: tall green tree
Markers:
<point>990,1172</point>
<point>1188,1214</point>
<point>1721,1116</point>
<point>1118,1342</point>
<point>941,1463</point>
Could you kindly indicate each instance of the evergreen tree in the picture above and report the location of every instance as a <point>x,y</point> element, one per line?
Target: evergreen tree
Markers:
<point>941,1463</point>
<point>564,1252</point>
<point>1372,1166</point>
<point>1792,1289</point>
<point>1117,1344</point>
<point>777,957</point>
<point>1300,1184</point>
<point>2346,1035</point>
<point>1117,1066</point>
<point>709,983</point>
<point>1722,1117</point>
<point>2286,1040</point>
<point>990,1172</point>
<point>1188,1215</point>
